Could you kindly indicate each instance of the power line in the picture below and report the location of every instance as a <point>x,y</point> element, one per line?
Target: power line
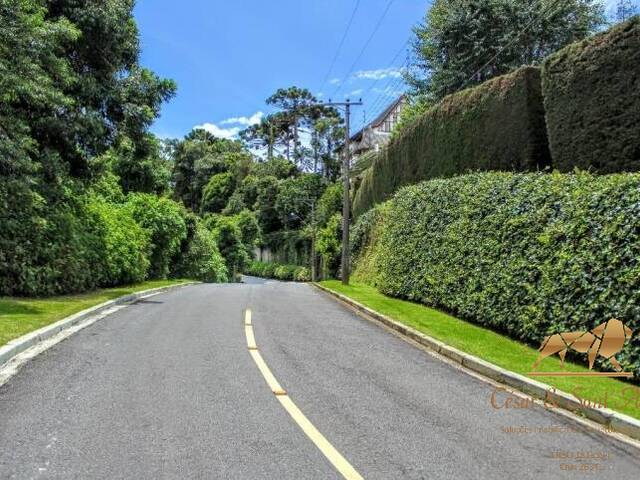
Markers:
<point>364,48</point>
<point>340,45</point>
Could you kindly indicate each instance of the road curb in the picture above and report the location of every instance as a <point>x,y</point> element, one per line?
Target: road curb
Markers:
<point>617,422</point>
<point>20,344</point>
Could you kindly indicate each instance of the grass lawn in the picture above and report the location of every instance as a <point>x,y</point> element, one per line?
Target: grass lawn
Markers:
<point>19,316</point>
<point>494,347</point>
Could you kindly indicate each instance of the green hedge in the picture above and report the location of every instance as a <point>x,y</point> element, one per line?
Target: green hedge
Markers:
<point>278,271</point>
<point>527,254</point>
<point>498,125</point>
<point>592,101</point>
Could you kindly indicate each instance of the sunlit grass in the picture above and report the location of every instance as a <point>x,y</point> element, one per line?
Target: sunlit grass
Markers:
<point>19,316</point>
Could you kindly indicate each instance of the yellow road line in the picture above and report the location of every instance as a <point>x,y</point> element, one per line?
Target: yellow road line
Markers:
<point>266,373</point>
<point>247,317</point>
<point>337,460</point>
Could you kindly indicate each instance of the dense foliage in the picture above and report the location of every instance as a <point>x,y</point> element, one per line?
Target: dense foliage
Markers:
<point>498,125</point>
<point>527,254</point>
<point>75,153</point>
<point>465,42</point>
<point>279,271</point>
<point>592,102</point>
<point>199,257</point>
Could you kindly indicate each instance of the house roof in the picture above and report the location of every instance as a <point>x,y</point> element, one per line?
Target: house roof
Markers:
<point>376,122</point>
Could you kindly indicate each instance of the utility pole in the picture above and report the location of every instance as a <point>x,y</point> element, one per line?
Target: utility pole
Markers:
<point>346,199</point>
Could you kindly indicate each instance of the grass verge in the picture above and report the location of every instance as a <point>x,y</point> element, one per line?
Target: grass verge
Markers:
<point>19,316</point>
<point>494,347</point>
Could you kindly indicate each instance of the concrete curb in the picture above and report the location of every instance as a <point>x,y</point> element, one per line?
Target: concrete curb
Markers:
<point>616,421</point>
<point>20,344</point>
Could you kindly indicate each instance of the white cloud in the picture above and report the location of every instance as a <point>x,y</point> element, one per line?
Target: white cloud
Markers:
<point>334,81</point>
<point>247,121</point>
<point>215,130</point>
<point>378,74</point>
<point>388,91</point>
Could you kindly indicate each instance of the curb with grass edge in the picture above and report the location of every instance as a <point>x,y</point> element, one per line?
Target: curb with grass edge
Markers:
<point>18,345</point>
<point>617,422</point>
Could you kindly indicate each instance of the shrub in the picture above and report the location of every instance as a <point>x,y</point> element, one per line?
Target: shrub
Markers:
<point>364,241</point>
<point>592,99</point>
<point>285,272</point>
<point>47,245</point>
<point>302,274</point>
<point>199,258</point>
<point>164,220</point>
<point>498,125</point>
<point>229,239</point>
<point>328,245</point>
<point>279,271</point>
<point>527,254</point>
<point>125,245</point>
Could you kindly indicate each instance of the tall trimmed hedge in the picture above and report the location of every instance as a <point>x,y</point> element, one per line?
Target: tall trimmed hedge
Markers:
<point>592,99</point>
<point>527,254</point>
<point>498,125</point>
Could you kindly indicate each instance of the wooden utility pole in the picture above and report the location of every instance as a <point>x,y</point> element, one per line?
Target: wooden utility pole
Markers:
<point>346,199</point>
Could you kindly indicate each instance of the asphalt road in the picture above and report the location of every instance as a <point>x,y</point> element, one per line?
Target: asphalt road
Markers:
<point>166,388</point>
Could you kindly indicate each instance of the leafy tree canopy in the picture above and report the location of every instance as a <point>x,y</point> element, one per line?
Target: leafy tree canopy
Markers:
<point>465,42</point>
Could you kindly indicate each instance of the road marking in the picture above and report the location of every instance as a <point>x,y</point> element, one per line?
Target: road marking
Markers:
<point>247,316</point>
<point>337,460</point>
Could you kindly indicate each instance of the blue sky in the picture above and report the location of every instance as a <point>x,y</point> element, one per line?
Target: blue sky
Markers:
<point>228,57</point>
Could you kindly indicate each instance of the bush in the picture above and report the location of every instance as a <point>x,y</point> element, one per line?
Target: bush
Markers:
<point>364,241</point>
<point>199,258</point>
<point>71,242</point>
<point>125,245</point>
<point>527,254</point>
<point>285,272</point>
<point>228,236</point>
<point>302,274</point>
<point>48,245</point>
<point>164,220</point>
<point>592,99</point>
<point>279,271</point>
<point>498,125</point>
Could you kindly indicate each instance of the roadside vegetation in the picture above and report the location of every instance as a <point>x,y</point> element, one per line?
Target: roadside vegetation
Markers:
<point>493,347</point>
<point>19,316</point>
<point>279,271</point>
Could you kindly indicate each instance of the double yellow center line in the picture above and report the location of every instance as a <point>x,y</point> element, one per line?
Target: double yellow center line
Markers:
<point>336,459</point>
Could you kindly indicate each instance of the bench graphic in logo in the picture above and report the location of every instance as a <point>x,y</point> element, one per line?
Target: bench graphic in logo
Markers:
<point>606,340</point>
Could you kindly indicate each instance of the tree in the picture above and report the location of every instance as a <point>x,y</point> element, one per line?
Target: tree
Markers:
<point>198,157</point>
<point>267,193</point>
<point>141,167</point>
<point>273,130</point>
<point>217,193</point>
<point>296,197</point>
<point>465,42</point>
<point>296,103</point>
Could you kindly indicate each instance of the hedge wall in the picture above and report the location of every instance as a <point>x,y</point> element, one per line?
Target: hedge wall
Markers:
<point>498,125</point>
<point>527,254</point>
<point>592,100</point>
